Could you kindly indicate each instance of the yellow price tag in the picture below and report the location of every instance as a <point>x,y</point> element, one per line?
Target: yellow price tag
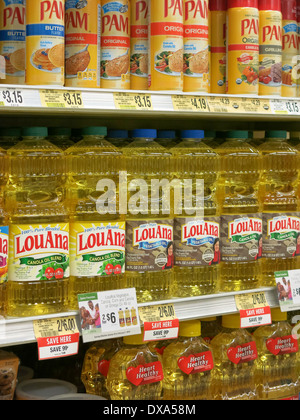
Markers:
<point>157,313</point>
<point>61,99</point>
<point>251,301</point>
<point>128,101</point>
<point>190,103</point>
<point>55,327</point>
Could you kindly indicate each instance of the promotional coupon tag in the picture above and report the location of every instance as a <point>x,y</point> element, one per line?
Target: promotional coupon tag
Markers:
<point>57,337</point>
<point>109,314</point>
<point>160,322</point>
<point>288,289</point>
<point>254,309</point>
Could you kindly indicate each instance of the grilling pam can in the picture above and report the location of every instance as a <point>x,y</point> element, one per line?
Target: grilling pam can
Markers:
<point>12,41</point>
<point>289,48</point>
<point>139,45</point>
<point>242,47</point>
<point>83,34</point>
<point>196,57</point>
<point>115,44</point>
<point>45,42</point>
<point>166,45</point>
<point>218,12</point>
<point>270,47</point>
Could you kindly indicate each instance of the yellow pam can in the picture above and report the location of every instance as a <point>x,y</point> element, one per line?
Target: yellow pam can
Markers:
<point>218,13</point>
<point>12,41</point>
<point>242,47</point>
<point>45,42</point>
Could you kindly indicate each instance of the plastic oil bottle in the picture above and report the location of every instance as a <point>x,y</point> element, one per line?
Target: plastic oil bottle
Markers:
<point>119,138</point>
<point>167,138</point>
<point>235,352</point>
<point>196,236</point>
<point>96,365</point>
<point>39,226</point>
<point>9,137</point>
<point>241,219</point>
<point>294,139</point>
<point>149,222</point>
<point>97,230</point>
<point>276,373</point>
<point>135,372</point>
<point>60,137</point>
<point>188,365</point>
<point>279,197</point>
<point>210,328</point>
<point>4,233</point>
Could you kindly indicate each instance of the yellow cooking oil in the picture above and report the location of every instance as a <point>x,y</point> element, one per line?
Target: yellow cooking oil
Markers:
<point>210,328</point>
<point>97,230</point>
<point>119,138</point>
<point>280,200</point>
<point>235,353</point>
<point>196,230</point>
<point>60,137</point>
<point>96,365</point>
<point>294,138</point>
<point>149,220</point>
<point>241,218</point>
<point>276,373</point>
<point>135,372</point>
<point>38,274</point>
<point>188,363</point>
<point>167,138</point>
<point>4,233</point>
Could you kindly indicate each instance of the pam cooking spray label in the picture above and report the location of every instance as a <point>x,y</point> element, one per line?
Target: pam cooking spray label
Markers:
<point>218,13</point>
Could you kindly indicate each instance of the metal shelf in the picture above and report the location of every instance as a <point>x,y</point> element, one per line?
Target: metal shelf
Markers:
<point>15,331</point>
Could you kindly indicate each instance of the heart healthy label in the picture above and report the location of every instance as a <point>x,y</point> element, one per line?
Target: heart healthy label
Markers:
<point>243,353</point>
<point>145,374</point>
<point>97,249</point>
<point>241,237</point>
<point>39,252</point>
<point>282,345</point>
<point>281,235</point>
<point>195,363</point>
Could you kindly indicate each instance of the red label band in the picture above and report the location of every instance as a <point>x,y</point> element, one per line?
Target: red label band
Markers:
<point>282,345</point>
<point>195,363</point>
<point>115,41</point>
<point>91,39</point>
<point>139,31</point>
<point>244,47</point>
<point>244,353</point>
<point>145,374</point>
<point>196,31</point>
<point>167,28</point>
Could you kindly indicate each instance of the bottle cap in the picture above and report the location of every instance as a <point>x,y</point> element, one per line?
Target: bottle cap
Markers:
<point>216,5</point>
<point>35,132</point>
<point>276,134</point>
<point>277,315</point>
<point>242,3</point>
<point>192,134</point>
<point>166,134</point>
<point>144,133</point>
<point>231,321</point>
<point>118,134</point>
<point>237,134</point>
<point>270,5</point>
<point>10,132</point>
<point>94,131</point>
<point>209,133</point>
<point>134,340</point>
<point>59,131</point>
<point>190,328</point>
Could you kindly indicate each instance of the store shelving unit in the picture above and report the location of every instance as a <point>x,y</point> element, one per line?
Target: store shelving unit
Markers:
<point>27,105</point>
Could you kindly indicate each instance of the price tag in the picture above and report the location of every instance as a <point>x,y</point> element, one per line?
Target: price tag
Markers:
<point>61,99</point>
<point>190,103</point>
<point>288,289</point>
<point>254,309</point>
<point>110,314</point>
<point>12,97</point>
<point>285,107</point>
<point>57,337</point>
<point>160,322</point>
<point>125,101</point>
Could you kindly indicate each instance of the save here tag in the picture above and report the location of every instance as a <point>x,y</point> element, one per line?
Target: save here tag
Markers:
<point>254,309</point>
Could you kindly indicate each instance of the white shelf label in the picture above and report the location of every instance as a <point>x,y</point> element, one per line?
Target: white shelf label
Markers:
<point>288,289</point>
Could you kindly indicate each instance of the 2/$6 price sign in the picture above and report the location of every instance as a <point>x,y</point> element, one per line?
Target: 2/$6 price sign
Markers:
<point>110,314</point>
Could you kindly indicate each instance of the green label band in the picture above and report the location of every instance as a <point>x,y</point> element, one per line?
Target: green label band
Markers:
<point>243,239</point>
<point>282,236</point>
<point>101,258</point>
<point>41,261</point>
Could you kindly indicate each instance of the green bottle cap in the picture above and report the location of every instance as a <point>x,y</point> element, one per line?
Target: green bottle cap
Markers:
<point>10,132</point>
<point>94,131</point>
<point>59,131</point>
<point>276,134</point>
<point>237,134</point>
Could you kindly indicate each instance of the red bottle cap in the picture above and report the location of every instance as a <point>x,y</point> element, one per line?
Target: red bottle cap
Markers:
<point>216,5</point>
<point>242,3</point>
<point>270,5</point>
<point>289,9</point>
